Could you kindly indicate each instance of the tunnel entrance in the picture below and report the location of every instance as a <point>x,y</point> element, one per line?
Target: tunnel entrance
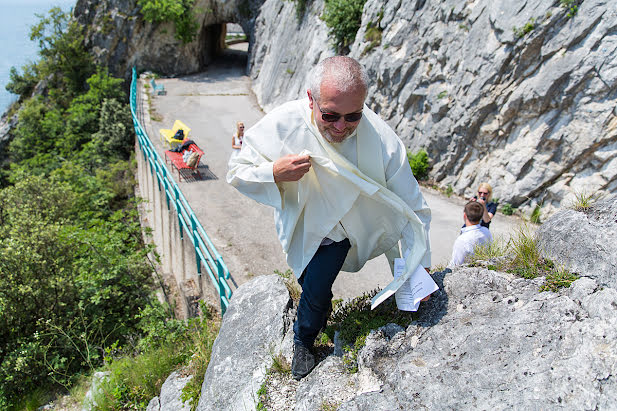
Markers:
<point>224,43</point>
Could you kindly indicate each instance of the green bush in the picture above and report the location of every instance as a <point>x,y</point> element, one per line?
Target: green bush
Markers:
<point>177,11</point>
<point>73,266</point>
<point>419,164</point>
<point>507,209</point>
<point>167,344</point>
<point>343,18</point>
<point>355,320</point>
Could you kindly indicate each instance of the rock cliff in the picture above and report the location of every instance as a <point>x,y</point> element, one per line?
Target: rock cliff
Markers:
<point>485,340</point>
<point>521,95</point>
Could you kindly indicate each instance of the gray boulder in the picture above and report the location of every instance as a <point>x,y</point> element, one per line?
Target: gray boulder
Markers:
<point>98,378</point>
<point>170,398</point>
<point>252,332</point>
<point>594,232</point>
<point>485,340</point>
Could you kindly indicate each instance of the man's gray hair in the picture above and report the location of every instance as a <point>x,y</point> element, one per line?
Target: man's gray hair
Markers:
<point>344,71</point>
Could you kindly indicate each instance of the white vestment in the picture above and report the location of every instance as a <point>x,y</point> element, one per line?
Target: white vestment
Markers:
<point>377,202</point>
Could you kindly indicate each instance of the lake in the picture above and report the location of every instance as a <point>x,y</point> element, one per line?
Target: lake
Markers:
<point>16,18</point>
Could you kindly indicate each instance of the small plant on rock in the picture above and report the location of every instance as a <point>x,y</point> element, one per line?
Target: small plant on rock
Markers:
<point>355,320</point>
<point>526,29</point>
<point>583,201</point>
<point>571,6</point>
<point>449,191</point>
<point>535,214</point>
<point>290,282</point>
<point>373,33</point>
<point>521,256</point>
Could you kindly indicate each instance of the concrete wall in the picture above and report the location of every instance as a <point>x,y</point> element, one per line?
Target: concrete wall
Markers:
<point>174,256</point>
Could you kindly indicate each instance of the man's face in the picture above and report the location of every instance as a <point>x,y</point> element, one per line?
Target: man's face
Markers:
<point>335,102</point>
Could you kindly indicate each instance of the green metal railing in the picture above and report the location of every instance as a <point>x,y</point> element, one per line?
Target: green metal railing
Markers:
<point>206,254</point>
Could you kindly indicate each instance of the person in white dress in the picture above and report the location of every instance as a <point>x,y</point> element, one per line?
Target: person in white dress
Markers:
<point>236,139</point>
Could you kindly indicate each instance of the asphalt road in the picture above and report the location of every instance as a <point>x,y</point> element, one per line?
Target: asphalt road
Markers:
<point>242,230</point>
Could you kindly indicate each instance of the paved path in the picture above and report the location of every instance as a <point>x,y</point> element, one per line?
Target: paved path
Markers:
<point>242,230</point>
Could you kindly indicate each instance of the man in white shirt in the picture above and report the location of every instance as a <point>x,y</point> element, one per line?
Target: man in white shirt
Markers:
<point>341,187</point>
<point>471,235</point>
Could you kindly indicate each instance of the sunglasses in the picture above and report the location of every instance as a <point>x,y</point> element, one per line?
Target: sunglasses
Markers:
<point>334,117</point>
<point>483,193</point>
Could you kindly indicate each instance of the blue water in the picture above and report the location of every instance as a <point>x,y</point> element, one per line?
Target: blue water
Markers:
<point>16,49</point>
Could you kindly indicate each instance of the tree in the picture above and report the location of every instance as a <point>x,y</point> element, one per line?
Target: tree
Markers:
<point>63,57</point>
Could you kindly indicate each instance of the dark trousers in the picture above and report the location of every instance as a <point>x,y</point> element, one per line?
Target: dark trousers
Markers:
<point>316,298</point>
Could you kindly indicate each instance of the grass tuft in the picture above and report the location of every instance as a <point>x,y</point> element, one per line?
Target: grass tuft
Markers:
<point>290,282</point>
<point>355,320</point>
<point>560,278</point>
<point>280,365</point>
<point>521,255</point>
<point>583,201</point>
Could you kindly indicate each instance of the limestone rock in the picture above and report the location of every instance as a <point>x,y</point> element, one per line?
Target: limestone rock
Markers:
<point>98,377</point>
<point>119,37</point>
<point>486,340</point>
<point>594,232</point>
<point>253,330</point>
<point>531,113</point>
<point>170,398</point>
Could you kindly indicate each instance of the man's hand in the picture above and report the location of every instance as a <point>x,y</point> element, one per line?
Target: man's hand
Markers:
<point>291,167</point>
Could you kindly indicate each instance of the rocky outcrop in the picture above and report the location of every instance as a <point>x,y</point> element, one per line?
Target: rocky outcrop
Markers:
<point>119,37</point>
<point>485,340</point>
<point>516,94</point>
<point>170,398</point>
<point>594,231</point>
<point>252,332</point>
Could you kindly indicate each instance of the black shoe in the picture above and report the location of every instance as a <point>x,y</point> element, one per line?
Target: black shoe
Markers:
<point>302,363</point>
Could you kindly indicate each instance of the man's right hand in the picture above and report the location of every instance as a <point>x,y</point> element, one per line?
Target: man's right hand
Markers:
<point>291,167</point>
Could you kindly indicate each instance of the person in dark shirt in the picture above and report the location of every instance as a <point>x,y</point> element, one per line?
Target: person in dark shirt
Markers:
<point>483,196</point>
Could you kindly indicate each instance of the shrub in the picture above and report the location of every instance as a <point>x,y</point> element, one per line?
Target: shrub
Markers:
<point>177,11</point>
<point>419,164</point>
<point>343,18</point>
<point>507,209</point>
<point>166,345</point>
<point>355,319</point>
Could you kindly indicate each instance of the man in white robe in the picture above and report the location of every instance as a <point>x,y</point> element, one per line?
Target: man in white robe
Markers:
<point>341,186</point>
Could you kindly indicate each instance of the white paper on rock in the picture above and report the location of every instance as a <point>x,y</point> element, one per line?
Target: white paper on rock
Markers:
<point>419,285</point>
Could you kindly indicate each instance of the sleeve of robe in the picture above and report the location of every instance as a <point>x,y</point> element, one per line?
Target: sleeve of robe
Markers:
<point>401,181</point>
<point>252,175</point>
